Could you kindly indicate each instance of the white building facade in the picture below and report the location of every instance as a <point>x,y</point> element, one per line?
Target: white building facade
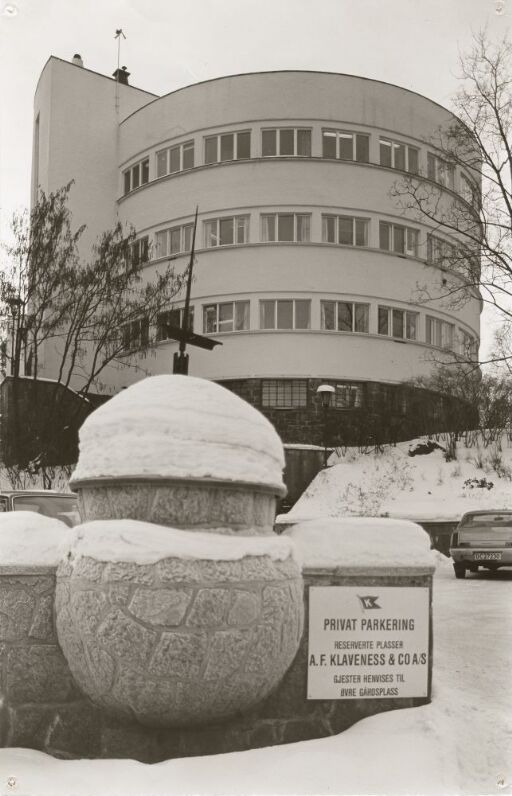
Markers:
<point>307,271</point>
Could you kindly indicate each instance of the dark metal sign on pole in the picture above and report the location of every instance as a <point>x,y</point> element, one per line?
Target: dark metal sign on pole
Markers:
<point>183,333</point>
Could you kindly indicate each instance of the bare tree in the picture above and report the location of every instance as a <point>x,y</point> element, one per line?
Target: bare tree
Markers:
<point>472,223</point>
<point>94,315</point>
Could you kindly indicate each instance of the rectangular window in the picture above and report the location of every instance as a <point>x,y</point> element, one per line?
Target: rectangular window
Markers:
<point>285,227</point>
<point>175,158</point>
<point>345,316</point>
<point>140,251</point>
<point>397,323</point>
<point>227,146</point>
<point>397,155</point>
<point>466,344</point>
<point>187,155</point>
<point>345,145</point>
<point>172,318</point>
<point>439,333</point>
<point>284,393</point>
<point>228,316</point>
<point>398,239</point>
<point>135,335</point>
<point>285,314</point>
<point>226,231</point>
<point>161,163</point>
<point>136,175</point>
<point>439,170</point>
<point>347,396</point>
<point>286,142</point>
<point>173,241</point>
<point>439,251</point>
<point>347,230</point>
<point>468,190</point>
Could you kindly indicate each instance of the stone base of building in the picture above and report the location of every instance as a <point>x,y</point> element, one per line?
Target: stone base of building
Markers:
<point>361,413</point>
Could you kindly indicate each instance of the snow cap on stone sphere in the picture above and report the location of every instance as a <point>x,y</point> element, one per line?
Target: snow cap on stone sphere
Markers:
<point>180,427</point>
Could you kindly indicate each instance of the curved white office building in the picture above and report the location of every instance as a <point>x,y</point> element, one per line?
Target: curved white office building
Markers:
<point>307,270</point>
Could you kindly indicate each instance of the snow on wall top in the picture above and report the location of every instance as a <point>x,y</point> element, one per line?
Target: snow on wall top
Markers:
<point>29,539</point>
<point>361,542</point>
<point>133,541</point>
<point>180,427</point>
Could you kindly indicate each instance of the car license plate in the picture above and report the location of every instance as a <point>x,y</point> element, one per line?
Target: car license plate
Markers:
<point>487,556</point>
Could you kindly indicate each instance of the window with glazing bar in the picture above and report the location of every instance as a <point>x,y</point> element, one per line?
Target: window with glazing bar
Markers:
<point>285,314</point>
<point>439,333</point>
<point>347,230</point>
<point>172,317</point>
<point>175,158</point>
<point>397,155</point>
<point>226,231</point>
<point>344,145</point>
<point>347,396</point>
<point>227,316</point>
<point>173,240</point>
<point>227,146</point>
<point>284,393</point>
<point>399,239</point>
<point>345,316</point>
<point>135,335</point>
<point>286,141</point>
<point>397,323</point>
<point>140,251</point>
<point>285,227</point>
<point>440,170</point>
<point>136,175</point>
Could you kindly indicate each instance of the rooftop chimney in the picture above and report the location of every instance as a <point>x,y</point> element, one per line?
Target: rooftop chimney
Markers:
<point>121,75</point>
<point>77,60</point>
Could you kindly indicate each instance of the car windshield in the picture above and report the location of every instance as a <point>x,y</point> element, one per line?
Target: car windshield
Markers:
<point>490,520</point>
<point>62,507</point>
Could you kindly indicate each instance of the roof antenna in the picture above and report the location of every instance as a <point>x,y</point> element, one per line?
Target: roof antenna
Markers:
<point>119,33</point>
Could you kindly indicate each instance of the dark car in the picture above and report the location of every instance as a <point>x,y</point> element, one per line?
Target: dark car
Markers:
<point>60,505</point>
<point>482,539</point>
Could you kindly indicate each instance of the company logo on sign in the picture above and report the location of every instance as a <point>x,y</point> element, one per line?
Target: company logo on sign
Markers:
<point>368,602</point>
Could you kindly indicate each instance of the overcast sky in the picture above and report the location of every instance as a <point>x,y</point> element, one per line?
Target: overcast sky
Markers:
<point>412,43</point>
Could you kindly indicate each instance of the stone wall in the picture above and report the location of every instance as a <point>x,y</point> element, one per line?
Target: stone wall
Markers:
<point>43,709</point>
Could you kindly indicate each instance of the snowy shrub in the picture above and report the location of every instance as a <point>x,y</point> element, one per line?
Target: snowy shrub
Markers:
<point>501,469</point>
<point>478,483</point>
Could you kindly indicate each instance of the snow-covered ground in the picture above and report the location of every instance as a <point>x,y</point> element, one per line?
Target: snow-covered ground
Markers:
<point>459,744</point>
<point>425,487</point>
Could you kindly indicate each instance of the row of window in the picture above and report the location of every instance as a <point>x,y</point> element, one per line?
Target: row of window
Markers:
<point>336,316</point>
<point>297,142</point>
<point>296,228</point>
<point>290,393</point>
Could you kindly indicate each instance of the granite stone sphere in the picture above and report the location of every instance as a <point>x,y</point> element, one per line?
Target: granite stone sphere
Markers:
<point>180,641</point>
<point>183,452</point>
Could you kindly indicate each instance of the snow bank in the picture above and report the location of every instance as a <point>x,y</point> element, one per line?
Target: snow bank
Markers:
<point>31,539</point>
<point>361,542</point>
<point>138,542</point>
<point>401,752</point>
<point>422,488</point>
<point>180,427</point>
